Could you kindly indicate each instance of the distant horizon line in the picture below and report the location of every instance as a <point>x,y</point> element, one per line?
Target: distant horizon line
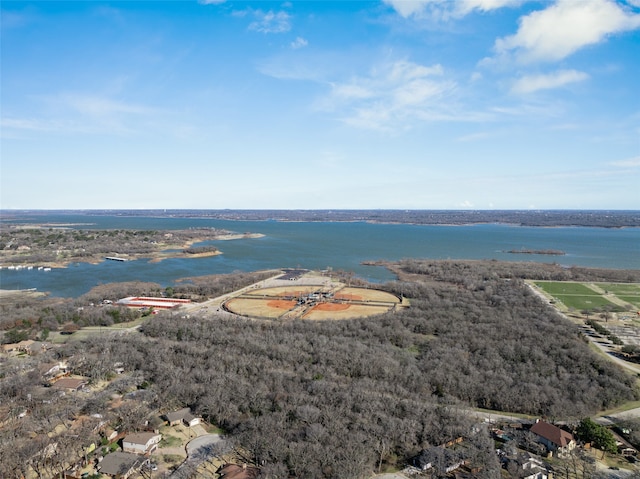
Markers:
<point>524,210</point>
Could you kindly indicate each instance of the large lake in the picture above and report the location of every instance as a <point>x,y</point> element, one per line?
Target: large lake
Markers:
<point>318,245</point>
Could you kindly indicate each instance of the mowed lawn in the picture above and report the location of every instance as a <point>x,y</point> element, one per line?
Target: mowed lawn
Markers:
<point>555,288</point>
<point>594,301</point>
<point>626,292</point>
<point>577,295</point>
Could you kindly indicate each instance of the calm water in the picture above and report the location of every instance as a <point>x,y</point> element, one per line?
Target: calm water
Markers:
<point>320,245</point>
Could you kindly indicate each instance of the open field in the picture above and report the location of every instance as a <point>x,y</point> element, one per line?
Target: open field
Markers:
<point>555,288</point>
<point>615,297</point>
<point>588,302</point>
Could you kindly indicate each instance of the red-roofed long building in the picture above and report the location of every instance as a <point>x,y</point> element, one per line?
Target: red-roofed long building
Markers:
<point>151,302</point>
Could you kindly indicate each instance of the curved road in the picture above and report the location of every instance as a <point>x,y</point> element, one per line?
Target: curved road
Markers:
<point>199,450</point>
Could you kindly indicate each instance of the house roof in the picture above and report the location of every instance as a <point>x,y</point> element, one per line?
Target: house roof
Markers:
<point>177,415</point>
<point>551,433</point>
<point>119,463</point>
<point>69,383</point>
<point>189,417</point>
<point>140,437</point>
<point>234,471</point>
<point>183,414</point>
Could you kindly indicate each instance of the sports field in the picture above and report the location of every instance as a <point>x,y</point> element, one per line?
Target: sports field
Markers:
<point>616,297</point>
<point>315,302</point>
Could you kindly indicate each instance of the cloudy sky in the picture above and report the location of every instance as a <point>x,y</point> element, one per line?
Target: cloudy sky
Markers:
<point>429,104</point>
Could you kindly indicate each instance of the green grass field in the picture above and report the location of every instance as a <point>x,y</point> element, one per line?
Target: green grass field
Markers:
<point>555,288</point>
<point>619,289</point>
<point>634,300</point>
<point>593,301</point>
<point>581,297</point>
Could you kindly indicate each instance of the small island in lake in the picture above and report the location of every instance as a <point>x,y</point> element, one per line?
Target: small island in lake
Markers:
<point>551,252</point>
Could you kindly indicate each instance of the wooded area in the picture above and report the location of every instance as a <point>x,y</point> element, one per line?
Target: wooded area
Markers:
<point>21,244</point>
<point>603,219</point>
<point>341,399</point>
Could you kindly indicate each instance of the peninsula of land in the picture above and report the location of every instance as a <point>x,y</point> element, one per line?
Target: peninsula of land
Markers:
<point>57,246</point>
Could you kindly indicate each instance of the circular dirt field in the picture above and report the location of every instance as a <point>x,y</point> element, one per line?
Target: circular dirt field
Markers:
<point>312,302</point>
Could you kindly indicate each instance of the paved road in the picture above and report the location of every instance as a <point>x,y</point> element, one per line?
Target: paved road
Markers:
<point>199,450</point>
<point>614,418</point>
<point>202,443</point>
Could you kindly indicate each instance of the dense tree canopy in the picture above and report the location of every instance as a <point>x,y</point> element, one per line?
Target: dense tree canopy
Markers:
<point>340,399</point>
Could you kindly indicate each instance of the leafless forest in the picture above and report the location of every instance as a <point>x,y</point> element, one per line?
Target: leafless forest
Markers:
<point>341,399</point>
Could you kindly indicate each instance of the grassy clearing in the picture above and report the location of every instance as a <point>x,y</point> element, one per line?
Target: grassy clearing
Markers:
<point>619,289</point>
<point>84,333</point>
<point>556,288</point>
<point>170,441</point>
<point>587,302</point>
<point>581,297</point>
<point>633,300</point>
<point>624,407</point>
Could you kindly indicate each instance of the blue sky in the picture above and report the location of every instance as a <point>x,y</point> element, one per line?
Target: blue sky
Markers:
<point>432,104</point>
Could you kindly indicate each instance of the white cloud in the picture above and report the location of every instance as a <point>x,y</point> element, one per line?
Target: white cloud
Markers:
<point>270,22</point>
<point>467,6</point>
<point>533,83</point>
<point>406,8</point>
<point>565,27</point>
<point>392,96</point>
<point>483,135</point>
<point>446,8</point>
<point>299,42</point>
<point>100,106</point>
<point>80,113</point>
<point>466,204</point>
<point>628,163</point>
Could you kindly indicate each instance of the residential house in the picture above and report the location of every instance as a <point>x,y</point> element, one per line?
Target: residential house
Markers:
<point>527,466</point>
<point>182,416</point>
<point>235,471</point>
<point>439,459</point>
<point>53,370</point>
<point>120,465</point>
<point>141,442</point>
<point>36,347</point>
<point>556,440</point>
<point>73,384</point>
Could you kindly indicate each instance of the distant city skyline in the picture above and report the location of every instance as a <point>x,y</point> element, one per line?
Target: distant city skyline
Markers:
<point>394,104</point>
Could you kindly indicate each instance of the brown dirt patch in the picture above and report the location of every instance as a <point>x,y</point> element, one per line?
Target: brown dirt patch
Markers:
<point>281,304</point>
<point>331,307</point>
<point>293,293</point>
